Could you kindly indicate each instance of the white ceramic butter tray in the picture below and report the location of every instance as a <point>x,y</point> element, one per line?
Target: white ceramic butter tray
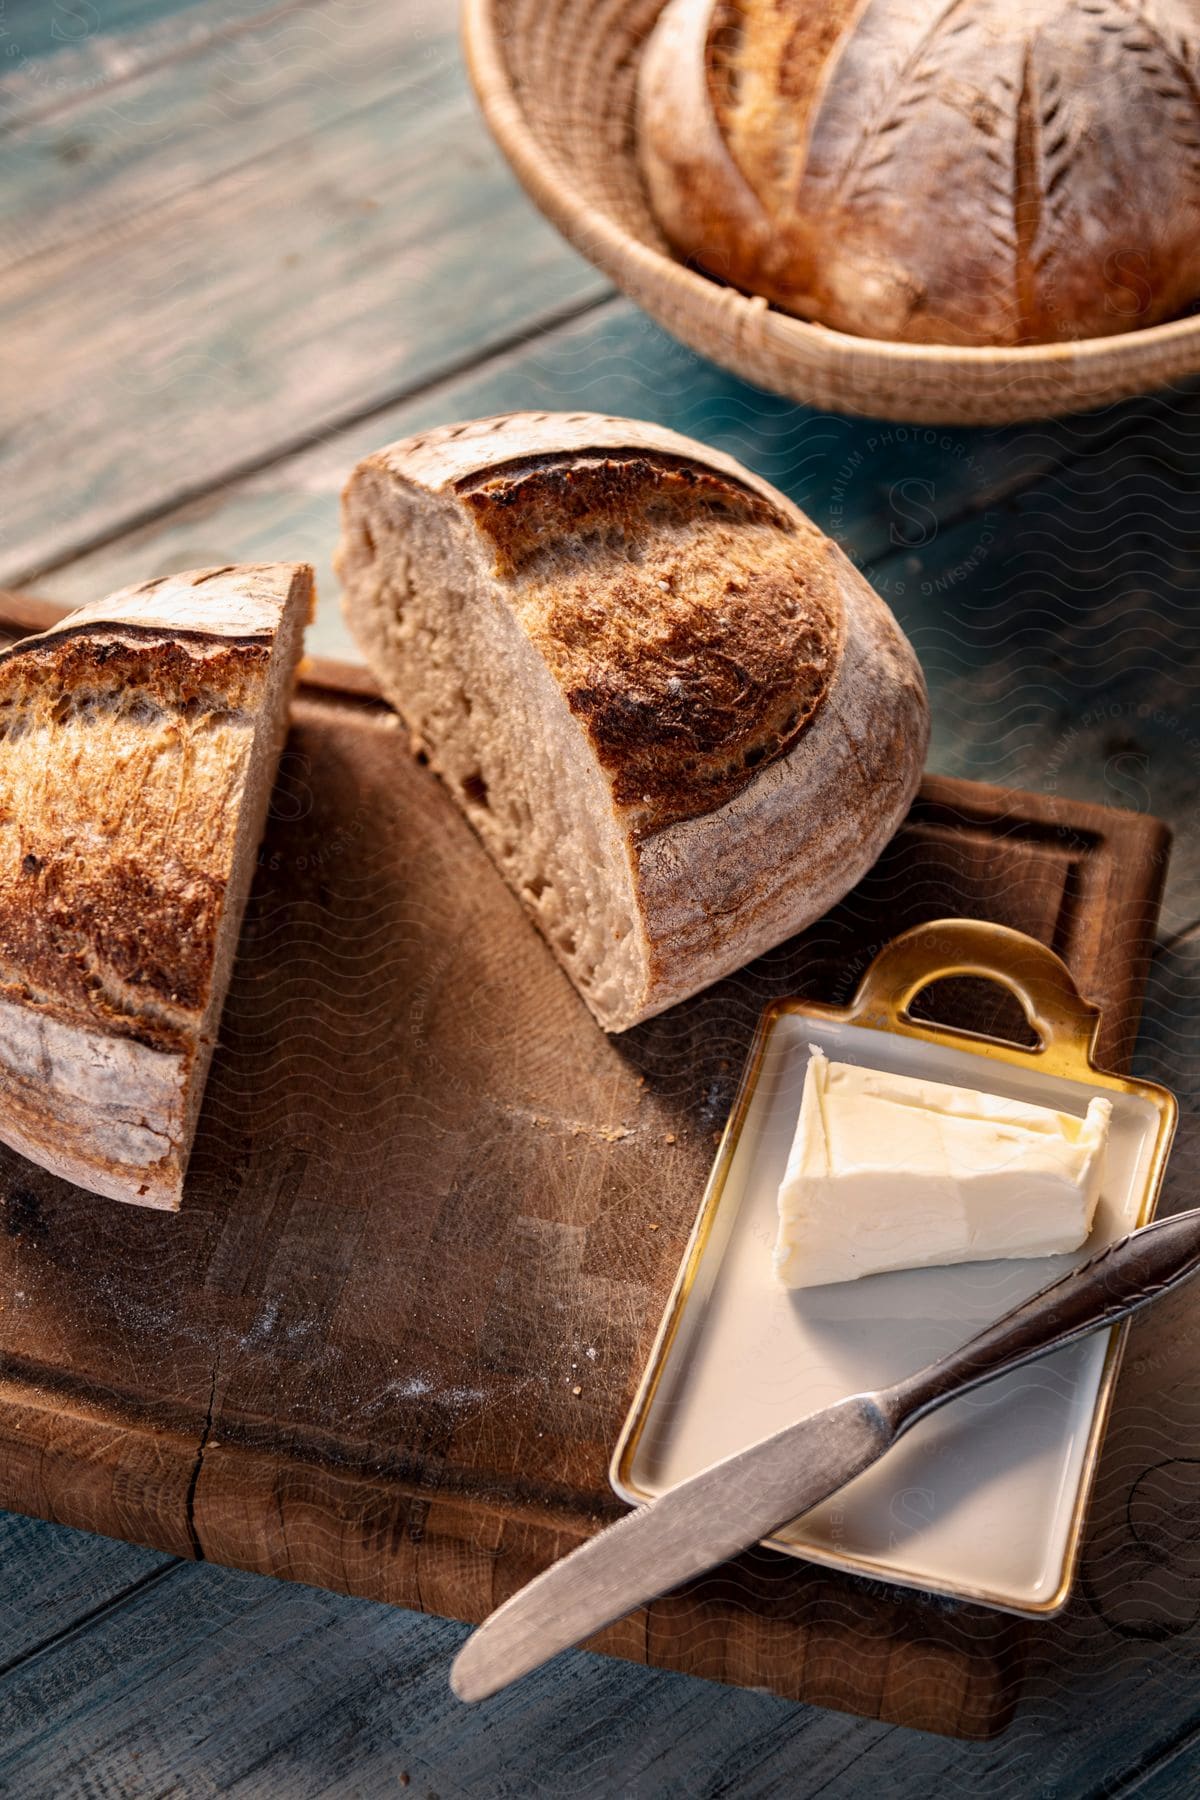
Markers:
<point>985,1499</point>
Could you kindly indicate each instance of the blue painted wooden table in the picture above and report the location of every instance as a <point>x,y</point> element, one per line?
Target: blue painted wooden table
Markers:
<point>241,243</point>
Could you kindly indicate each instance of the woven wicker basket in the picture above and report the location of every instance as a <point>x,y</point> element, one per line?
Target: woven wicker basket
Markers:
<point>556,80</point>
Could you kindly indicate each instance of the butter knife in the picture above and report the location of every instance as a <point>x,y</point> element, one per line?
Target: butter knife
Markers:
<point>746,1497</point>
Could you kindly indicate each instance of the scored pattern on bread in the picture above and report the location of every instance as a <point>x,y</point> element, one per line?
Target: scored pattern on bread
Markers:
<point>684,700</point>
<point>677,717</point>
<point>138,744</point>
<point>974,172</point>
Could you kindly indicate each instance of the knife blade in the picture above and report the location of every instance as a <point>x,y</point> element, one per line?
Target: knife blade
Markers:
<point>745,1497</point>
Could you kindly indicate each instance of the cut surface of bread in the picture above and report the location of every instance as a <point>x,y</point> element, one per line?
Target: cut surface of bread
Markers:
<point>988,172</point>
<point>139,740</point>
<point>679,720</point>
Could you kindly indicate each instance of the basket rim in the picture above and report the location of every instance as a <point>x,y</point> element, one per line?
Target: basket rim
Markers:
<point>623,253</point>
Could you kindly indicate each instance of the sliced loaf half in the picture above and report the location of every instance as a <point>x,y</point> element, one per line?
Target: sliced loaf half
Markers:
<point>678,718</point>
<point>138,744</point>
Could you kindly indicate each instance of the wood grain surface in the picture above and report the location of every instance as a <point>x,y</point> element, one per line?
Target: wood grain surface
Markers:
<point>206,366</point>
<point>1047,576</point>
<point>433,1215</point>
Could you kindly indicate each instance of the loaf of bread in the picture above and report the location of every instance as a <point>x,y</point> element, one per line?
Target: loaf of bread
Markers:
<point>138,743</point>
<point>989,172</point>
<point>678,718</point>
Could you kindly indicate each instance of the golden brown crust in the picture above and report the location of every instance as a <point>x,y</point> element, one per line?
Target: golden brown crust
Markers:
<point>132,636</point>
<point>524,504</point>
<point>976,172</point>
<point>717,889</point>
<point>764,70</point>
<point>110,927</point>
<point>104,952</point>
<point>129,742</point>
<point>690,623</point>
<point>441,460</point>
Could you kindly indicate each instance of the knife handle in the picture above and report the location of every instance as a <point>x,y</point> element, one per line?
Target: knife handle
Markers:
<point>1128,1274</point>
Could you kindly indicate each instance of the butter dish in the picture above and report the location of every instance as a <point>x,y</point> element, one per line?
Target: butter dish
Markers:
<point>985,1500</point>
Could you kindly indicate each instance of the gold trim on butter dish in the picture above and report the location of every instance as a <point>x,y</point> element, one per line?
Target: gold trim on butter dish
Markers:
<point>1066,1026</point>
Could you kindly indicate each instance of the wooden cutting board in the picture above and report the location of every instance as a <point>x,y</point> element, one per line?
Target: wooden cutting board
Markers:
<point>434,1214</point>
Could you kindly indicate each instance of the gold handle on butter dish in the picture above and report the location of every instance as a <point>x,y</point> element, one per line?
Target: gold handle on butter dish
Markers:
<point>1065,1023</point>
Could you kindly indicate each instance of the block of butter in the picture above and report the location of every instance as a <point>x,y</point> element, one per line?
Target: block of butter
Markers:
<point>891,1172</point>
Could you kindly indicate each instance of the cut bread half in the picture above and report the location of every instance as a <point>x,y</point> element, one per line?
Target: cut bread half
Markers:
<point>677,717</point>
<point>139,740</point>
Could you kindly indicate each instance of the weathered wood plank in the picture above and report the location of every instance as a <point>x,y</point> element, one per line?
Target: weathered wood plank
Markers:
<point>1174,1777</point>
<point>345,1696</point>
<point>884,491</point>
<point>54,54</point>
<point>259,310</point>
<point>50,1578</point>
<point>50,31</point>
<point>305,1694</point>
<point>1061,641</point>
<point>110,160</point>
